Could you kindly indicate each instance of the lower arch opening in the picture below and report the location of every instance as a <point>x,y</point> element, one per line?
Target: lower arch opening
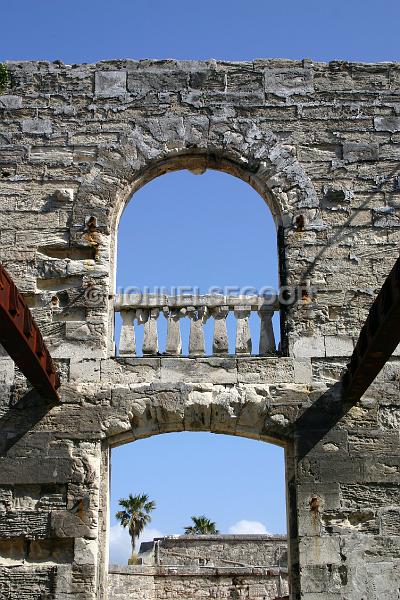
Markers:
<point>206,514</point>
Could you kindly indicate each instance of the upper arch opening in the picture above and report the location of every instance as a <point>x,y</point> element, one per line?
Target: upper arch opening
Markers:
<point>199,162</point>
<point>204,248</point>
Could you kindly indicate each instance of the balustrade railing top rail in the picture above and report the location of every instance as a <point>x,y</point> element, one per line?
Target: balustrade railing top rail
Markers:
<point>145,310</point>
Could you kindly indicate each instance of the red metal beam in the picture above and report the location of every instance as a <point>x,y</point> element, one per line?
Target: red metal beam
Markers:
<point>378,339</point>
<point>21,338</point>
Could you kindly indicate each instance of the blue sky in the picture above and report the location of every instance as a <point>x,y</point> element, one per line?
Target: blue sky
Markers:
<point>88,30</point>
<point>209,230</point>
<point>236,482</point>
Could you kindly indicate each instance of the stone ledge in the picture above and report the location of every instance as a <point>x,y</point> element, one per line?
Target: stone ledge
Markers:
<point>182,571</point>
<point>207,369</point>
<point>229,537</point>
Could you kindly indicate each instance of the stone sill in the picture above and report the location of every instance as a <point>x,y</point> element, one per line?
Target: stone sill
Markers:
<point>220,370</point>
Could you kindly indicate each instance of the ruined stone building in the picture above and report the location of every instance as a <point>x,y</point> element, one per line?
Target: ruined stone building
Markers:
<point>320,143</point>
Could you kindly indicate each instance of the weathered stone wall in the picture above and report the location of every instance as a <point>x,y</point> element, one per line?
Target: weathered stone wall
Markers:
<point>321,144</point>
<point>131,583</point>
<point>163,583</point>
<point>216,551</point>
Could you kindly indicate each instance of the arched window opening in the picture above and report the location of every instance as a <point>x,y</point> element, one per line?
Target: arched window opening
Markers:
<point>237,484</point>
<point>197,269</point>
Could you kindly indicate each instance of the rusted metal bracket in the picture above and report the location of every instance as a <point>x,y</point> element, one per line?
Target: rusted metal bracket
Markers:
<point>21,338</point>
<point>378,339</point>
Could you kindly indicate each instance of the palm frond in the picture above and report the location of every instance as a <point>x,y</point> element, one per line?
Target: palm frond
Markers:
<point>201,526</point>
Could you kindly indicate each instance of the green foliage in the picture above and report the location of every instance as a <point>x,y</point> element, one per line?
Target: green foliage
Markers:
<point>4,78</point>
<point>201,526</point>
<point>135,515</point>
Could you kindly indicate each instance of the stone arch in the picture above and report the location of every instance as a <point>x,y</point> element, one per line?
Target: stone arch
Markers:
<point>239,410</point>
<point>157,145</point>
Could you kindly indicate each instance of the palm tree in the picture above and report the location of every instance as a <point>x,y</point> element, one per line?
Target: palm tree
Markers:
<point>135,514</point>
<point>201,526</point>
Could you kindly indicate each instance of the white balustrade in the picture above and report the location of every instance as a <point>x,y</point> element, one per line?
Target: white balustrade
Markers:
<point>220,341</point>
<point>174,339</point>
<point>198,317</point>
<point>145,310</point>
<point>127,341</point>
<point>243,336</point>
<point>267,337</point>
<point>150,336</point>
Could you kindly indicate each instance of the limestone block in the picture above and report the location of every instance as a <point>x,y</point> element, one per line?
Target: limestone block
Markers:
<point>302,370</point>
<point>378,442</point>
<point>37,126</point>
<point>66,524</point>
<point>109,84</point>
<point>360,151</point>
<point>322,582</point>
<point>198,409</point>
<point>387,123</point>
<point>214,370</point>
<point>10,102</point>
<point>209,79</point>
<point>142,82</point>
<point>30,470</point>
<point>79,331</point>
<point>309,347</point>
<point>337,345</point>
<point>265,370</point>
<point>12,551</point>
<point>130,370</point>
<point>286,82</point>
<point>320,550</point>
<point>85,552</point>
<point>244,80</point>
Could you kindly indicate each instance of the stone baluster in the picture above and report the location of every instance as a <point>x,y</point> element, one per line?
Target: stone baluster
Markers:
<point>267,337</point>
<point>196,337</point>
<point>150,336</point>
<point>220,340</point>
<point>243,337</point>
<point>127,341</point>
<point>174,339</point>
